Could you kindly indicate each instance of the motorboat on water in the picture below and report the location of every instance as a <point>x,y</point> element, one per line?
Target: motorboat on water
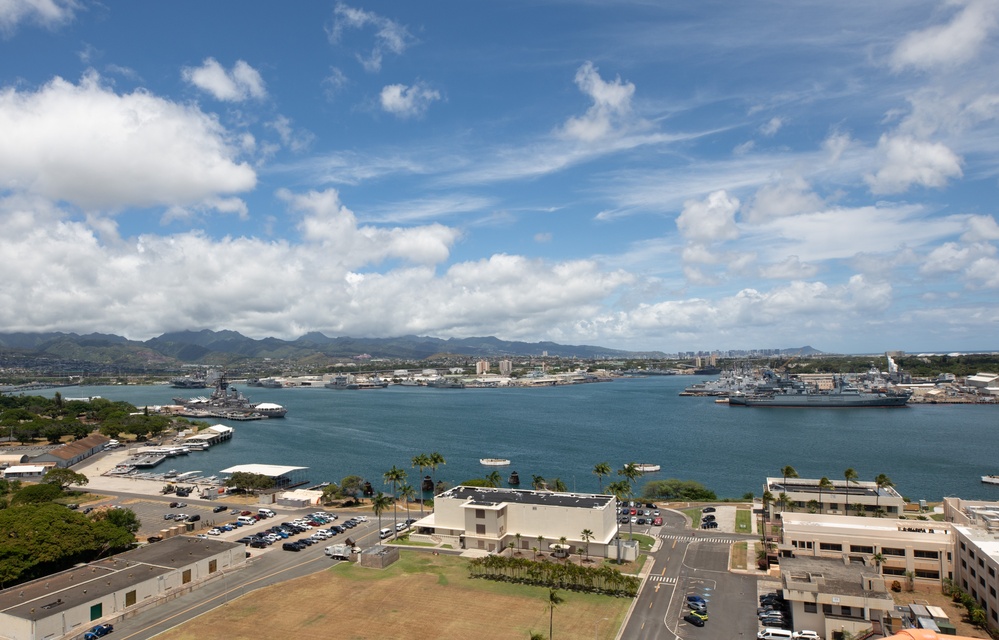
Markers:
<point>494,462</point>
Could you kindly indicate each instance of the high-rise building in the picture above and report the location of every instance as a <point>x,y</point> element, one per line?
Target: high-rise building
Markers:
<point>481,367</point>
<point>505,367</point>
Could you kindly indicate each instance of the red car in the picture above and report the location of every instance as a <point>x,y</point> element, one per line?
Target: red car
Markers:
<point>657,522</point>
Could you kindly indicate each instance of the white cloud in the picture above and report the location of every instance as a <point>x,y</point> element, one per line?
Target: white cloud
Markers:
<point>984,272</point>
<point>951,257</point>
<point>946,45</point>
<point>908,162</point>
<point>240,84</point>
<point>791,196</point>
<point>408,102</point>
<point>711,219</point>
<point>771,127</point>
<point>390,36</point>
<point>611,105</point>
<point>47,13</point>
<point>790,269</point>
<point>981,228</point>
<point>334,83</point>
<point>87,145</point>
<point>294,139</point>
<point>543,237</point>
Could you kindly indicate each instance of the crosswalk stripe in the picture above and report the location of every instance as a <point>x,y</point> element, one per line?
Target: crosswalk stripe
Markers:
<point>664,579</point>
<point>667,536</point>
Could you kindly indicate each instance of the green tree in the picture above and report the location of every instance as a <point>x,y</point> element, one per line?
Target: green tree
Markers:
<point>814,506</point>
<point>394,476</point>
<point>559,486</point>
<point>494,479</point>
<point>250,482</point>
<point>379,503</point>
<point>421,461</point>
<point>586,535</point>
<point>37,494</point>
<point>879,560</point>
<point>435,460</point>
<point>824,484</point>
<point>601,470</point>
<point>554,600</point>
<point>851,476</point>
<point>881,482</point>
<point>408,493</point>
<point>62,478</point>
<point>352,486</point>
<point>538,483</point>
<point>784,500</point>
<point>121,518</point>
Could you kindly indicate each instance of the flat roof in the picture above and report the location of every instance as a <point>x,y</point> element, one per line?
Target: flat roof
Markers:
<point>832,576</point>
<point>489,497</point>
<point>87,583</point>
<point>271,470</point>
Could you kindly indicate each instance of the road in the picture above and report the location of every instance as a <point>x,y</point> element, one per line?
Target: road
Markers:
<point>692,562</point>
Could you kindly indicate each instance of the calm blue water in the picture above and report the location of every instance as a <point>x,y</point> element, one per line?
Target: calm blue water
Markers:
<point>929,451</point>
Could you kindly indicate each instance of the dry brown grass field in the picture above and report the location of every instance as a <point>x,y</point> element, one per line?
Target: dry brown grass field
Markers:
<point>421,597</point>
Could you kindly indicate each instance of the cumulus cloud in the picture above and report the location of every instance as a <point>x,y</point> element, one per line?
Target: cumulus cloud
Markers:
<point>791,268</point>
<point>390,36</point>
<point>908,161</point>
<point>408,102</point>
<point>239,84</point>
<point>981,228</point>
<point>984,272</point>
<point>711,219</point>
<point>948,44</point>
<point>952,257</point>
<point>611,105</point>
<point>791,196</point>
<point>89,146</point>
<point>294,139</point>
<point>46,13</point>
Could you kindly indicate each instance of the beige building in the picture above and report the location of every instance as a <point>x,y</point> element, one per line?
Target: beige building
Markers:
<point>832,596</point>
<point>481,367</point>
<point>505,367</point>
<point>898,549</point>
<point>840,499</point>
<point>976,551</point>
<point>490,519</point>
<point>72,601</point>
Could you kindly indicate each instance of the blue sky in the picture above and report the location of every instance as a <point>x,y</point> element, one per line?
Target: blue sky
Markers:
<point>649,176</point>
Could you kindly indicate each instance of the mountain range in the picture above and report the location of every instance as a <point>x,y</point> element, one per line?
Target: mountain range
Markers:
<point>229,347</point>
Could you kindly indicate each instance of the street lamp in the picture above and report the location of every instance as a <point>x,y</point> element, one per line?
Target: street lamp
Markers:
<point>596,625</point>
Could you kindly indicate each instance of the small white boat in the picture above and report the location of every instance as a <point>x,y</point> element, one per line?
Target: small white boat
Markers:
<point>990,479</point>
<point>494,462</point>
<point>646,468</point>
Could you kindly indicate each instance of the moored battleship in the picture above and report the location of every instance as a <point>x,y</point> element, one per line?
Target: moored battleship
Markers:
<point>227,402</point>
<point>796,394</point>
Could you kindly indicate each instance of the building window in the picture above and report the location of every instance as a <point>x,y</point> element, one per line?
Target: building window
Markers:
<point>845,611</point>
<point>981,581</point>
<point>981,563</point>
<point>129,598</point>
<point>964,565</point>
<point>973,574</point>
<point>480,513</point>
<point>185,577</point>
<point>963,547</point>
<point>810,607</point>
<point>827,609</point>
<point>833,506</point>
<point>890,551</point>
<point>480,529</point>
<point>858,548</point>
<point>892,571</point>
<point>992,591</point>
<point>213,566</point>
<point>920,553</point>
<point>926,573</point>
<point>992,572</point>
<point>994,617</point>
<point>830,546</point>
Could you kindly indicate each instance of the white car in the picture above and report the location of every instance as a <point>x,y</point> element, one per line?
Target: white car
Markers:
<point>214,532</point>
<point>361,518</point>
<point>202,536</point>
<point>805,634</point>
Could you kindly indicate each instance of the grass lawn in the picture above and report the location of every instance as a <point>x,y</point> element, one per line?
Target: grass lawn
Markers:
<point>694,515</point>
<point>743,521</point>
<point>739,553</point>
<point>421,597</point>
<point>644,542</point>
<point>412,543</point>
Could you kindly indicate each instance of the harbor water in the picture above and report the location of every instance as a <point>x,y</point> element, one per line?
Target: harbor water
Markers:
<point>929,451</point>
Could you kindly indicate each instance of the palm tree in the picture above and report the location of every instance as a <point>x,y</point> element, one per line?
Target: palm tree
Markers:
<point>601,470</point>
<point>517,536</point>
<point>813,506</point>
<point>494,479</point>
<point>620,490</point>
<point>537,636</point>
<point>783,499</point>
<point>434,460</point>
<point>554,600</point>
<point>421,461</point>
<point>788,472</point>
<point>538,482</point>
<point>407,491</point>
<point>882,482</point>
<point>824,483</point>
<point>394,476</point>
<point>558,485</point>
<point>851,476</point>
<point>541,544</point>
<point>586,535</point>
<point>878,559</point>
<point>380,502</point>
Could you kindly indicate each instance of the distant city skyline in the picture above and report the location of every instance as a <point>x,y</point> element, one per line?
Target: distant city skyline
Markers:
<point>639,176</point>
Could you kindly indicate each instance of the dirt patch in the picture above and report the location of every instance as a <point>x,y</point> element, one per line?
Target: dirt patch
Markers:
<point>956,612</point>
<point>421,597</point>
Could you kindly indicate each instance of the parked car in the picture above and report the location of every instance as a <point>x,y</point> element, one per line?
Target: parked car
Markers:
<point>709,525</point>
<point>174,505</point>
<point>657,521</point>
<point>805,634</point>
<point>708,518</point>
<point>640,521</point>
<point>234,512</point>
<point>214,531</point>
<point>168,516</point>
<point>694,620</point>
<point>291,546</point>
<point>703,616</point>
<point>258,543</point>
<point>194,518</point>
<point>180,505</point>
<point>699,607</point>
<point>696,598</point>
<point>219,509</point>
<point>154,538</point>
<point>708,510</point>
